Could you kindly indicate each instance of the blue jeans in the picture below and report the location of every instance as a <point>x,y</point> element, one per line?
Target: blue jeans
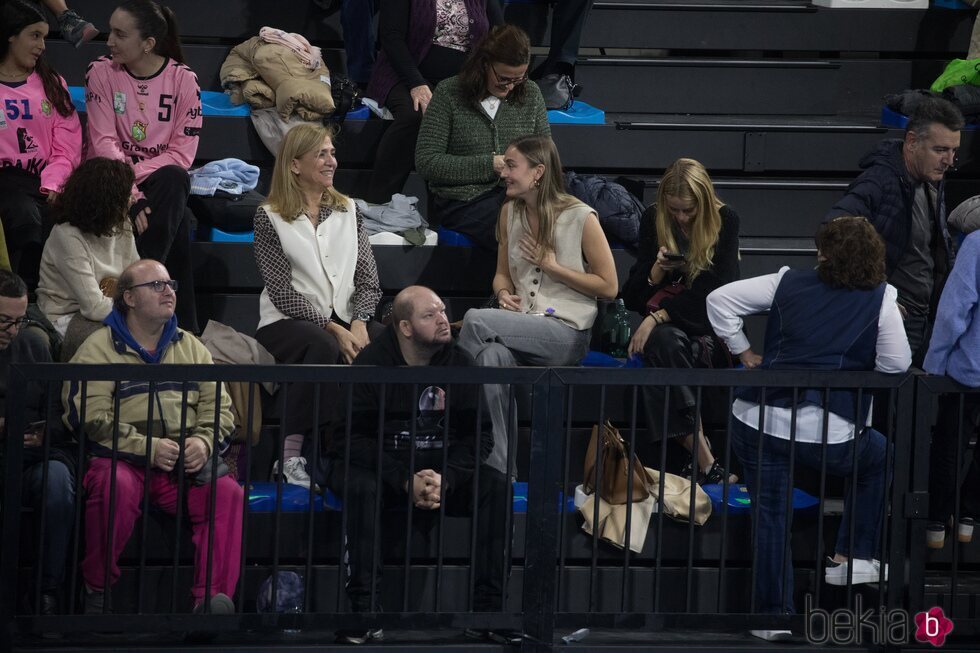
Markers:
<point>774,590</point>
<point>59,516</point>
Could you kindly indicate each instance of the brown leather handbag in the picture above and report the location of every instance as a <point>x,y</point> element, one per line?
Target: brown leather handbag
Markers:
<point>615,468</point>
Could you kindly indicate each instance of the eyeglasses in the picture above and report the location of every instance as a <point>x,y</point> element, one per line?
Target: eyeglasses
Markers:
<point>19,322</point>
<point>157,286</point>
<point>508,81</point>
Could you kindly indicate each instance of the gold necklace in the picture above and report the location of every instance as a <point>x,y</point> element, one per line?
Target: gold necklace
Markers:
<point>19,75</point>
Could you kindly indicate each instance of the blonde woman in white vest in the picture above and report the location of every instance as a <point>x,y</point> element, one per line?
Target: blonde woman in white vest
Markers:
<point>553,261</point>
<point>321,281</point>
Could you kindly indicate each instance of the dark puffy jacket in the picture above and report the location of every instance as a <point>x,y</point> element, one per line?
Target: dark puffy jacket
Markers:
<point>883,194</point>
<point>617,209</point>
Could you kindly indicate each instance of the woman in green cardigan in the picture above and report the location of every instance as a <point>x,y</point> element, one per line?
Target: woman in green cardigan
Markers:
<point>470,121</point>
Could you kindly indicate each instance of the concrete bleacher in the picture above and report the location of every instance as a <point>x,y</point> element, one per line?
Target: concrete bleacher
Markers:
<point>777,98</point>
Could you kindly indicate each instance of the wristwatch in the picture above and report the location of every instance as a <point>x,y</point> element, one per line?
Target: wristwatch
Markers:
<point>363,317</point>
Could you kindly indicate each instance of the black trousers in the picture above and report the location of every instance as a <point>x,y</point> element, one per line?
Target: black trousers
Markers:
<point>942,461</point>
<point>396,151</point>
<point>359,501</point>
<point>395,158</point>
<point>23,212</point>
<point>670,346</point>
<point>567,23</point>
<point>299,342</point>
<point>475,218</point>
<point>168,237</point>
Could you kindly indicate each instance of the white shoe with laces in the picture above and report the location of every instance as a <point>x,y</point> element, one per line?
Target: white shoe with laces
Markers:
<point>865,571</point>
<point>294,471</point>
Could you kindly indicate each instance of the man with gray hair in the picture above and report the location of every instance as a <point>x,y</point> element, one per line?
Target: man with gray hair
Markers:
<point>901,192</point>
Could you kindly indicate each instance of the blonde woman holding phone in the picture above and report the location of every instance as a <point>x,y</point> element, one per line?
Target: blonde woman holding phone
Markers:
<point>688,247</point>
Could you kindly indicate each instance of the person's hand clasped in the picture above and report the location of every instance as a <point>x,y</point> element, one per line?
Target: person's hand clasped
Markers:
<point>421,96</point>
<point>348,343</point>
<point>165,454</point>
<point>359,332</point>
<point>640,336</point>
<point>750,359</point>
<point>426,489</point>
<point>508,301</point>
<point>195,455</point>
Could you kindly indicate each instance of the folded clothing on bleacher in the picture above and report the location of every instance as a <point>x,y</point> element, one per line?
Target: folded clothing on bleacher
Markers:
<point>308,54</point>
<point>232,176</point>
<point>269,75</point>
<point>399,216</point>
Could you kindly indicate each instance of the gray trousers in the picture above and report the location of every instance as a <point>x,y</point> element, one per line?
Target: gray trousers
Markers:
<point>500,338</point>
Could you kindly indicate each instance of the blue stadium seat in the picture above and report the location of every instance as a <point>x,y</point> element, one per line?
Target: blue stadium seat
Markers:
<point>580,113</point>
<point>219,104</point>
<point>262,498</point>
<point>740,504</point>
<point>898,120</point>
<point>450,237</point>
<point>216,103</point>
<point>216,235</point>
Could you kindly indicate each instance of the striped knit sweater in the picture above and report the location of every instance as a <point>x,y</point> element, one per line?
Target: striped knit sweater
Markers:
<point>456,144</point>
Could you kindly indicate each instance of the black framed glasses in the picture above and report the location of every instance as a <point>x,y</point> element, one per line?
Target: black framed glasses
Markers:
<point>157,286</point>
<point>19,322</point>
<point>508,81</point>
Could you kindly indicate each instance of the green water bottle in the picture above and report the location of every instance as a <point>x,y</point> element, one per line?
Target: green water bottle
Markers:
<point>616,330</point>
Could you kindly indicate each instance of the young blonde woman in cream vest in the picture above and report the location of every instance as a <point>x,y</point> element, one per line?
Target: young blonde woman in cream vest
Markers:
<point>553,261</point>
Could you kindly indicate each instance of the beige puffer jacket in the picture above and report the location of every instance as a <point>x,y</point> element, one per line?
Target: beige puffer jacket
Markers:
<point>270,75</point>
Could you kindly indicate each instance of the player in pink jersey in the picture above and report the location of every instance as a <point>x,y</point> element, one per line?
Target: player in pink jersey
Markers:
<point>144,107</point>
<point>40,136</point>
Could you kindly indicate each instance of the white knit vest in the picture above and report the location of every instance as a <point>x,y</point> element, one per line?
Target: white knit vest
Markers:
<point>322,261</point>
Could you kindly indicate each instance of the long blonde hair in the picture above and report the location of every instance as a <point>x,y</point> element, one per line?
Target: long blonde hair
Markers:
<point>687,180</point>
<point>552,198</point>
<point>285,195</point>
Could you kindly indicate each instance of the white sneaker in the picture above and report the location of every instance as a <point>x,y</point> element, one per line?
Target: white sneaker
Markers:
<point>294,471</point>
<point>772,635</point>
<point>865,571</point>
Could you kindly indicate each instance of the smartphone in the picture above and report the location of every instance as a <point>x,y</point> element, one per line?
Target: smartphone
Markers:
<point>674,256</point>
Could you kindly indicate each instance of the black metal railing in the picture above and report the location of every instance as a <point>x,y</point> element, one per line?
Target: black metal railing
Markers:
<point>567,579</point>
<point>943,492</point>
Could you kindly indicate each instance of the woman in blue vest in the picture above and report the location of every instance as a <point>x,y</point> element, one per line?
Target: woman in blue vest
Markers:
<point>688,243</point>
<point>840,316</point>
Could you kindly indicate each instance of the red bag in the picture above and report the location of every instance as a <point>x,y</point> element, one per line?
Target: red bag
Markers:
<point>671,290</point>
